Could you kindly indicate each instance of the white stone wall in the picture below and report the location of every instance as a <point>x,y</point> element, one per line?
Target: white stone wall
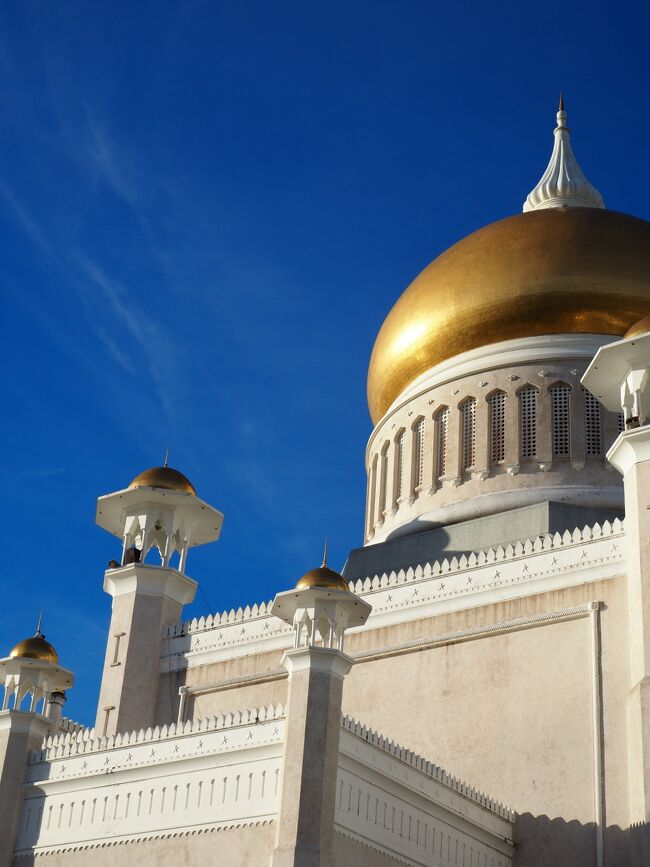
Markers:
<point>82,793</point>
<point>532,566</point>
<point>401,805</point>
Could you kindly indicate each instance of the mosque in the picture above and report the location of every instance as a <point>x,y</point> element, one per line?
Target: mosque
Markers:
<point>474,689</point>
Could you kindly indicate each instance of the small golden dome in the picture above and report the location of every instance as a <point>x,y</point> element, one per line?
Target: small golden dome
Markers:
<point>164,477</point>
<point>35,647</point>
<point>322,577</point>
<point>550,271</point>
<point>640,327</point>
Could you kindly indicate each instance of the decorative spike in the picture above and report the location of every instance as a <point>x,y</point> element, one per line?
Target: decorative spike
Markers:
<point>563,184</point>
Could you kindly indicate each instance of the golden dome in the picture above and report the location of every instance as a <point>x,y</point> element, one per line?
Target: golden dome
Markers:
<point>164,477</point>
<point>323,577</point>
<point>640,327</point>
<point>35,647</point>
<point>550,271</point>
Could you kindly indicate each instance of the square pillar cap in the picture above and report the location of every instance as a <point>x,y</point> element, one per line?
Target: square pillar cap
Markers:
<point>610,366</point>
<point>288,602</point>
<point>205,520</point>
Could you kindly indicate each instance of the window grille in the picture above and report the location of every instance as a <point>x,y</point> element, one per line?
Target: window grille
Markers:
<point>621,422</point>
<point>383,474</point>
<point>497,411</point>
<point>468,432</point>
<point>560,419</point>
<point>593,427</point>
<point>373,494</point>
<point>399,469</point>
<point>441,438</point>
<point>528,421</point>
<point>418,454</point>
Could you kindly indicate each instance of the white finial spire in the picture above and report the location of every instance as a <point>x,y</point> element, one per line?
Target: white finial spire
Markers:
<point>563,183</point>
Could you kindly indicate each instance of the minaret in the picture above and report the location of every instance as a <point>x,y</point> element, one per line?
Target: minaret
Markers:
<point>563,183</point>
<point>619,376</point>
<point>34,693</point>
<point>320,609</point>
<point>158,519</point>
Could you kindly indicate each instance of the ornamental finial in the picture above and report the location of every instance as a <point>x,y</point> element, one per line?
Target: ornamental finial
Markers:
<point>563,184</point>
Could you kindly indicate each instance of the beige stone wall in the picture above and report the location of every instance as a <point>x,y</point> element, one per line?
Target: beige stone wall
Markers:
<point>233,847</point>
<point>510,714</point>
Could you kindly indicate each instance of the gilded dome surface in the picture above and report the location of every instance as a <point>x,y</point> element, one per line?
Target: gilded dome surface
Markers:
<point>164,477</point>
<point>322,577</point>
<point>551,271</point>
<point>35,647</point>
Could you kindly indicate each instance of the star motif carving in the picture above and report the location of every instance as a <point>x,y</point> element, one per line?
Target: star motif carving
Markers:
<point>469,579</point>
<point>276,731</point>
<point>243,630</point>
<point>152,753</point>
<point>415,592</point>
<point>106,760</point>
<point>250,736</point>
<point>497,574</point>
<point>84,766</point>
<point>554,561</point>
<point>390,598</point>
<point>176,748</point>
<point>583,555</point>
<point>129,757</point>
<point>525,567</point>
<point>442,586</point>
<point>266,626</point>
<point>224,741</point>
<point>62,771</point>
<point>200,745</point>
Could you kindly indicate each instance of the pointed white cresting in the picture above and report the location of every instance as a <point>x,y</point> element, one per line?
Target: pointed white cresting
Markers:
<point>563,184</point>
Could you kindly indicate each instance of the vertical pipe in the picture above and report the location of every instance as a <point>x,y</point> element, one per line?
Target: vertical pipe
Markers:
<point>597,708</point>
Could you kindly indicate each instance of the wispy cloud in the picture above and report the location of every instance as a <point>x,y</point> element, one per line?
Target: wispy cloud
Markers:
<point>40,473</point>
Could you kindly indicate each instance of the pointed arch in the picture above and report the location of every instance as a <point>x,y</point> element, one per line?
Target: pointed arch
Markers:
<point>440,441</point>
<point>468,432</point>
<point>400,451</point>
<point>417,463</point>
<point>527,396</point>
<point>497,426</point>
<point>593,425</point>
<point>560,394</point>
<point>383,480</point>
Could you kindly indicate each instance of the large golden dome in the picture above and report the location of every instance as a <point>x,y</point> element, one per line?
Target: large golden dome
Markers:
<point>550,271</point>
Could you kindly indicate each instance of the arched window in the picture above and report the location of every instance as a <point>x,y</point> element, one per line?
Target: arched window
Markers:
<point>400,443</point>
<point>441,438</point>
<point>468,432</point>
<point>372,493</point>
<point>383,478</point>
<point>560,400</point>
<point>497,426</point>
<point>418,453</point>
<point>593,425</point>
<point>528,421</point>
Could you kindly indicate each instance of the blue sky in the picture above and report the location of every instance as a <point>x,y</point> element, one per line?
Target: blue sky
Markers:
<point>206,211</point>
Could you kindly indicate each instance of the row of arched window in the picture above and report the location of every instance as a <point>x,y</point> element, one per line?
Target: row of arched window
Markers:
<point>408,481</point>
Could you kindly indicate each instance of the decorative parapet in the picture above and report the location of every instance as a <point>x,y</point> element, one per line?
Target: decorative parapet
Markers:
<point>83,791</point>
<point>394,801</point>
<point>533,565</point>
<point>83,741</point>
<point>425,767</point>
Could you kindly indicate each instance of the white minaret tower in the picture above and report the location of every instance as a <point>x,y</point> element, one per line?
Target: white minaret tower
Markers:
<point>619,376</point>
<point>34,693</point>
<point>158,518</point>
<point>320,609</point>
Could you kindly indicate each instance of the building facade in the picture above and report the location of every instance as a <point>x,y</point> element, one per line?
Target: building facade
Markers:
<point>474,689</point>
